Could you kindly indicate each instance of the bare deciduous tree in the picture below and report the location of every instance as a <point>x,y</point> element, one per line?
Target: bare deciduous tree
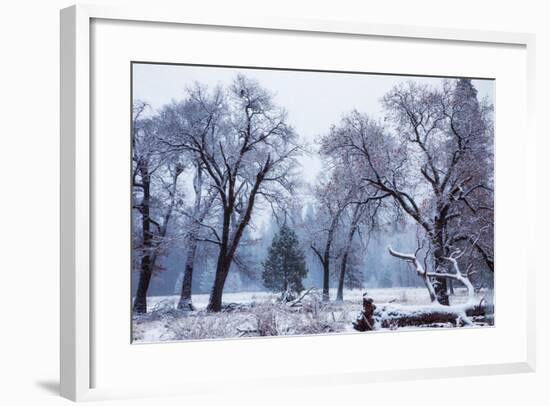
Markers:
<point>152,168</point>
<point>247,150</point>
<point>427,165</point>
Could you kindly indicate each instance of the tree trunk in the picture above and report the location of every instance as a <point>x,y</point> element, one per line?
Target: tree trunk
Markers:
<point>215,301</point>
<point>199,213</point>
<point>343,267</point>
<point>326,270</point>
<point>146,269</point>
<point>149,246</point>
<point>341,278</point>
<point>228,247</point>
<point>185,302</point>
<point>140,301</point>
<point>224,262</point>
<point>326,260</point>
<point>441,291</point>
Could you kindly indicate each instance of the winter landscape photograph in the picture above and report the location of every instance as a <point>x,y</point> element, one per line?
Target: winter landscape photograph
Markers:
<point>272,202</point>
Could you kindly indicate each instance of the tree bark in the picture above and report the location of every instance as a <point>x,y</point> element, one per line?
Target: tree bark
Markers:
<point>215,301</point>
<point>140,301</point>
<point>222,267</point>
<point>199,213</point>
<point>150,247</point>
<point>394,316</point>
<point>341,278</point>
<point>326,281</point>
<point>228,246</point>
<point>441,291</point>
<point>146,268</point>
<point>343,266</point>
<point>326,260</point>
<point>185,302</point>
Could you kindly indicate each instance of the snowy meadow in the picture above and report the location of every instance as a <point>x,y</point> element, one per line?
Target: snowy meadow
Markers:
<point>279,203</point>
<point>261,314</point>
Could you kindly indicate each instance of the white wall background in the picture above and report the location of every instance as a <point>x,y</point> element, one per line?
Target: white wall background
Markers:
<point>29,204</point>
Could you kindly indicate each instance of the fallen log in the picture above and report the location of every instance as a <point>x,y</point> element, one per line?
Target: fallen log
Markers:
<point>389,315</point>
<point>393,316</point>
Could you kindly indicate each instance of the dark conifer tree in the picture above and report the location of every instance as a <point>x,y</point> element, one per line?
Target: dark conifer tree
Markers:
<point>285,266</point>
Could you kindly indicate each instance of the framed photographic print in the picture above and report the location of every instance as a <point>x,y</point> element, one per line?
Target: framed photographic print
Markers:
<point>264,200</point>
<point>235,193</point>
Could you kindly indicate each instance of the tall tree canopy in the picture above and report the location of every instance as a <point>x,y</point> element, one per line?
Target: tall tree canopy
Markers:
<point>433,162</point>
<point>247,151</point>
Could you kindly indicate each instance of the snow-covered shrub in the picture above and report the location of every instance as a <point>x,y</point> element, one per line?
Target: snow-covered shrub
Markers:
<point>266,320</point>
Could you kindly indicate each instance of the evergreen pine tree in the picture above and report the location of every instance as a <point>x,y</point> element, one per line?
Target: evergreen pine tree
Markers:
<point>474,128</point>
<point>285,267</point>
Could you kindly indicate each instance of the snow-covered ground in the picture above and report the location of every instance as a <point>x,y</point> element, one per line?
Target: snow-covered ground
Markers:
<point>260,314</point>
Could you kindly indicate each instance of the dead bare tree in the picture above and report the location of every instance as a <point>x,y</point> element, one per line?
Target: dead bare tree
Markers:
<point>391,315</point>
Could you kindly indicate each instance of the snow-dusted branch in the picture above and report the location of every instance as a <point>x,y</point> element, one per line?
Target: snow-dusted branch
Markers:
<point>420,270</point>
<point>457,275</point>
<point>460,311</point>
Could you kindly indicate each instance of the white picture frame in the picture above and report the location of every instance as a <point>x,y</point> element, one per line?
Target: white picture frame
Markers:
<point>76,281</point>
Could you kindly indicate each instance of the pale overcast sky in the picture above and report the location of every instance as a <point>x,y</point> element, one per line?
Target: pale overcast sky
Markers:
<point>314,100</point>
